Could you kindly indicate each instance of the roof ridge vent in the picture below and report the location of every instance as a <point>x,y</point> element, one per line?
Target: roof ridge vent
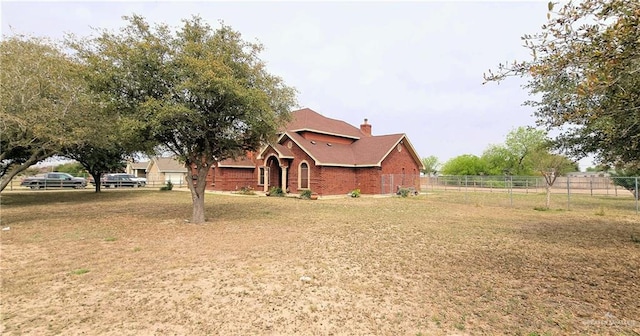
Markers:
<point>313,142</point>
<point>329,144</point>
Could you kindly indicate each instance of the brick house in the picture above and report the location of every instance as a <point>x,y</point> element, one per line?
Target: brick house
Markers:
<point>327,156</point>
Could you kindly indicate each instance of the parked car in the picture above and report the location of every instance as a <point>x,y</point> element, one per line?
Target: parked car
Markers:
<point>141,180</point>
<point>117,181</point>
<point>54,180</point>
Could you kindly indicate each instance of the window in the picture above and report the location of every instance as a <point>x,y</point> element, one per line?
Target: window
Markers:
<point>260,175</point>
<point>304,175</point>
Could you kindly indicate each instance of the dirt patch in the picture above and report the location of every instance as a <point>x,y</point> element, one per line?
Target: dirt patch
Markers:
<point>127,263</point>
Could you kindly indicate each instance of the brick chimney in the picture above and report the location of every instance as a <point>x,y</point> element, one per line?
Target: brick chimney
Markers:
<point>366,128</point>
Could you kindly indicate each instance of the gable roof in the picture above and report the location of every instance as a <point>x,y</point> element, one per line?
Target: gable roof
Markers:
<point>363,151</point>
<point>167,165</point>
<point>138,165</point>
<point>366,152</point>
<point>309,120</point>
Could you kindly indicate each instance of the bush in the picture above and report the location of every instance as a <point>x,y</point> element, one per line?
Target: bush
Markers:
<point>276,191</point>
<point>305,194</point>
<point>355,193</point>
<point>169,186</point>
<point>404,192</point>
<point>246,191</point>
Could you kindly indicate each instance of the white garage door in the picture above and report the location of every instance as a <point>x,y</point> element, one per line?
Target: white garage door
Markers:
<point>175,178</point>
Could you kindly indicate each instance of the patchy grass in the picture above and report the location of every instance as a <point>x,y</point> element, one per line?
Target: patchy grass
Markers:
<point>421,265</point>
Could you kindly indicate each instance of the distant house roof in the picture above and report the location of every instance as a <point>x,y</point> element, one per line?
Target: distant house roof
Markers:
<point>310,120</point>
<point>167,165</point>
<point>139,165</point>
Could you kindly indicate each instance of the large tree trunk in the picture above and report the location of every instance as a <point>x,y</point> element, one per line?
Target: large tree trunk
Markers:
<point>96,179</point>
<point>197,187</point>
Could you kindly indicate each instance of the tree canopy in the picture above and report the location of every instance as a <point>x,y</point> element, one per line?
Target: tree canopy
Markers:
<point>202,93</point>
<point>525,151</point>
<point>431,165</point>
<point>466,164</point>
<point>44,103</point>
<point>584,75</point>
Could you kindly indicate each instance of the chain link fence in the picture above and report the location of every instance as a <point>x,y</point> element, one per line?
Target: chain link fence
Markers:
<point>568,192</point>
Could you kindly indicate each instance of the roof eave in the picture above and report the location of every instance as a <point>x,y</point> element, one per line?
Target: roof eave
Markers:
<point>324,132</point>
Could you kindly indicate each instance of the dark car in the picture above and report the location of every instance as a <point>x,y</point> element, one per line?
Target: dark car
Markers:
<point>117,181</point>
<point>54,180</point>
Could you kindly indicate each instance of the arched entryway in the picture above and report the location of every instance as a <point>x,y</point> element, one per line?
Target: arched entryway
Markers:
<point>277,173</point>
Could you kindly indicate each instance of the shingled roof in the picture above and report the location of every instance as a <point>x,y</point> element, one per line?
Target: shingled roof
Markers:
<point>366,152</point>
<point>312,121</point>
<point>167,165</point>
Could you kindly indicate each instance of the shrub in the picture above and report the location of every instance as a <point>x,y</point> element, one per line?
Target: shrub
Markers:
<point>246,191</point>
<point>276,191</point>
<point>169,186</point>
<point>404,192</point>
<point>305,194</point>
<point>355,193</point>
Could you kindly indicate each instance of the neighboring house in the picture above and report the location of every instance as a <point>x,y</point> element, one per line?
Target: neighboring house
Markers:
<point>138,169</point>
<point>161,170</point>
<point>326,156</point>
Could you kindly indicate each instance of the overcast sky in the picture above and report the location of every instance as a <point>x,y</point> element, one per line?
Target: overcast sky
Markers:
<point>408,67</point>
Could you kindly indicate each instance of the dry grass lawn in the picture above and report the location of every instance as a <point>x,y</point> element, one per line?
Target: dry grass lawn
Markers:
<point>127,263</point>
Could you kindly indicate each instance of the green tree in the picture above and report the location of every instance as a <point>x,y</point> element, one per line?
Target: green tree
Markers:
<point>585,75</point>
<point>521,144</point>
<point>497,160</point>
<point>73,168</point>
<point>627,176</point>
<point>44,103</point>
<point>203,94</point>
<point>514,157</point>
<point>431,165</point>
<point>466,164</point>
<point>98,159</point>
<point>550,166</point>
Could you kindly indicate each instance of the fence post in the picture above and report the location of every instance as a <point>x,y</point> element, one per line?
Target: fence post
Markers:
<point>568,193</point>
<point>466,185</point>
<point>511,190</point>
<point>637,196</point>
<point>591,185</point>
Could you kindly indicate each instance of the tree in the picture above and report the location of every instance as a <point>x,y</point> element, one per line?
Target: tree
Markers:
<point>44,103</point>
<point>203,94</point>
<point>497,160</point>
<point>73,168</point>
<point>98,160</point>
<point>585,71</point>
<point>466,164</point>
<point>627,177</point>
<point>550,166</point>
<point>514,157</point>
<point>431,165</point>
<point>521,144</point>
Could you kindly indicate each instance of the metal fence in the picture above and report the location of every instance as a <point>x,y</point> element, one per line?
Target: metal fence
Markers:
<point>391,183</point>
<point>567,192</point>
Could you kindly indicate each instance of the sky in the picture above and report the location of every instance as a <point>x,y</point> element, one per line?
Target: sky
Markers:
<point>408,67</point>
